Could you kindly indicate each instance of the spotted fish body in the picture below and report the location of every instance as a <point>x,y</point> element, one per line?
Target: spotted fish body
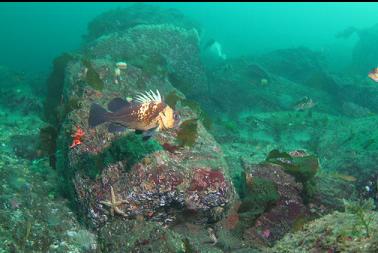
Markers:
<point>138,116</point>
<point>146,113</point>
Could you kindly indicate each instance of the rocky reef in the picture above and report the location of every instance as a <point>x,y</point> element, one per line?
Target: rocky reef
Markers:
<point>286,162</point>
<point>350,231</point>
<point>122,19</point>
<point>112,179</point>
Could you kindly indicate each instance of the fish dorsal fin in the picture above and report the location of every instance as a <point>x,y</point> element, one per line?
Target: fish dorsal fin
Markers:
<point>117,104</point>
<point>148,96</point>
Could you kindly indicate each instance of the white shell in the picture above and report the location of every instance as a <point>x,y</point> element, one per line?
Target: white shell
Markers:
<point>121,65</point>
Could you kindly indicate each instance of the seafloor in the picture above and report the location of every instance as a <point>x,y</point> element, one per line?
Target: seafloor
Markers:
<point>274,153</point>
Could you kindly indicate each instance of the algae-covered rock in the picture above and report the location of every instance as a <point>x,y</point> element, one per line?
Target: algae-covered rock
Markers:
<point>153,180</point>
<point>283,204</point>
<point>299,164</point>
<point>55,84</point>
<point>258,198</point>
<point>296,64</point>
<point>121,19</point>
<point>336,232</point>
<point>331,190</point>
<point>139,236</point>
<point>160,51</point>
<point>252,87</point>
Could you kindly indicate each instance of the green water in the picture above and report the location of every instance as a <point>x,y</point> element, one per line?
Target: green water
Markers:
<point>43,30</point>
<point>272,147</point>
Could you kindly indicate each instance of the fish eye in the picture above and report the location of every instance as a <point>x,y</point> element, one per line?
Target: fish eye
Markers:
<point>176,116</point>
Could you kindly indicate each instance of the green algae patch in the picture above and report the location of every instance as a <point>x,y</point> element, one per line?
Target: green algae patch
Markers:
<point>258,197</point>
<point>131,149</point>
<point>262,193</point>
<point>361,209</point>
<point>92,77</point>
<point>73,103</point>
<point>335,232</point>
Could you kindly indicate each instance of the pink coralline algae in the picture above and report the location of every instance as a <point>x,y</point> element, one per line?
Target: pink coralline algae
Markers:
<point>207,179</point>
<point>274,223</point>
<point>266,233</point>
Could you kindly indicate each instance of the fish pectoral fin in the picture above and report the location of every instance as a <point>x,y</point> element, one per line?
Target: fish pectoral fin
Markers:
<point>149,133</point>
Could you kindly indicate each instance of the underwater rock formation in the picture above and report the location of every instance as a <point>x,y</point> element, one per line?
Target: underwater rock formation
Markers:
<point>331,190</point>
<point>121,19</point>
<point>119,174</point>
<point>282,213</point>
<point>336,232</point>
<point>295,64</point>
<point>253,87</point>
<point>160,51</point>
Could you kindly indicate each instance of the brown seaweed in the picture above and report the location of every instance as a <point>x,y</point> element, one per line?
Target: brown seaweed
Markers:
<point>188,132</point>
<point>92,77</point>
<point>172,98</point>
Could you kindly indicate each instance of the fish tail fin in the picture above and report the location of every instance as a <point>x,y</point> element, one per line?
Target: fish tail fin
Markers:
<point>97,115</point>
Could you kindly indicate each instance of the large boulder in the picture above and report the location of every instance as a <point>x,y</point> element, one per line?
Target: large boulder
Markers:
<point>122,19</point>
<point>164,51</point>
<point>295,64</point>
<point>154,180</point>
<point>336,232</point>
<point>252,85</point>
<point>281,213</point>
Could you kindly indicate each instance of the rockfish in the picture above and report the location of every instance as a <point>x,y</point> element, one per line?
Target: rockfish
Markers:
<point>146,114</point>
<point>373,74</point>
<point>304,104</point>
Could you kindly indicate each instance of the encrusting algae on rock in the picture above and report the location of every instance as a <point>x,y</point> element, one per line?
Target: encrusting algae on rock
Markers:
<point>201,184</point>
